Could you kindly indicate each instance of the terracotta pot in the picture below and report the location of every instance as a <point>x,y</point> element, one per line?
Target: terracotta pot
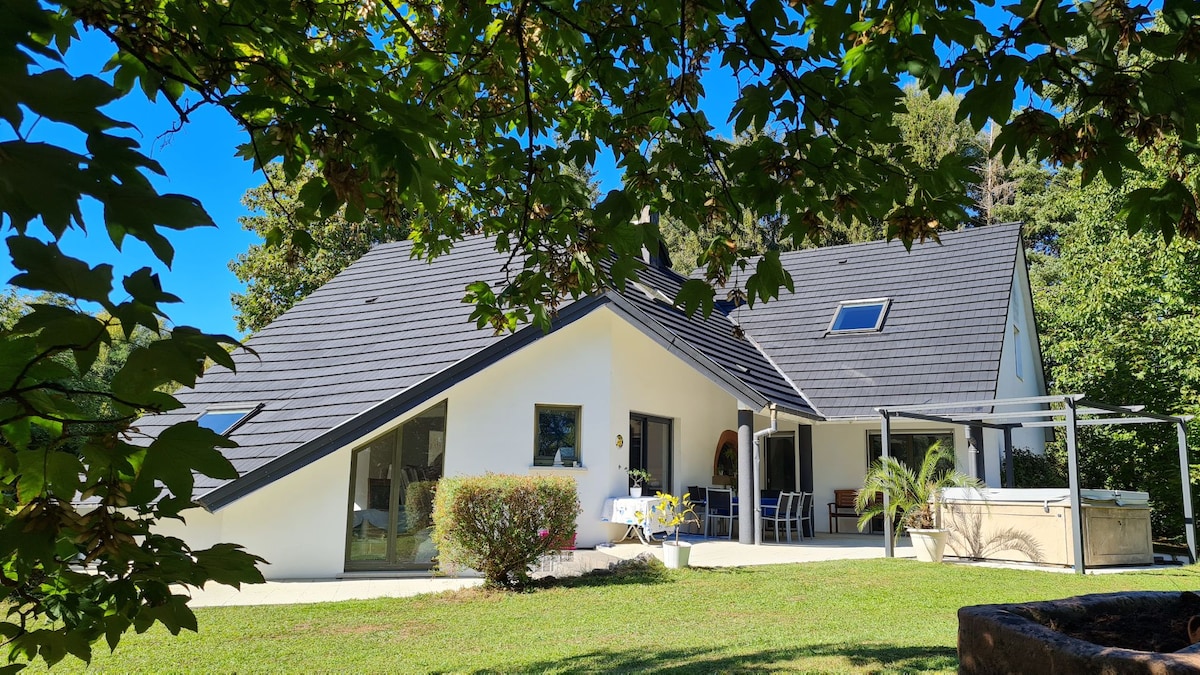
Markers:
<point>929,544</point>
<point>676,555</point>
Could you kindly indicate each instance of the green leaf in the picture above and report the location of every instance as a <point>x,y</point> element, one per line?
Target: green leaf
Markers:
<point>48,269</point>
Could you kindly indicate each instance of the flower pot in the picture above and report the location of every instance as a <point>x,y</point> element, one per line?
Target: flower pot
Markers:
<point>929,544</point>
<point>675,555</point>
<point>635,491</point>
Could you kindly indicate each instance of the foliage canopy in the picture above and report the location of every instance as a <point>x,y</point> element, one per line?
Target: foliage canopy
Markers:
<point>447,115</point>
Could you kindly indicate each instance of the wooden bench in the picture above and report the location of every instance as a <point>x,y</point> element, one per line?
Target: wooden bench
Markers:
<point>842,506</point>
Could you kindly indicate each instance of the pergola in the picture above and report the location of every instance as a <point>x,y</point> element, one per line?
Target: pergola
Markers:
<point>1014,413</point>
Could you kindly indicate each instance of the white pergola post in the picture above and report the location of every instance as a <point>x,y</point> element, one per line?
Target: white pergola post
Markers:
<point>1073,482</point>
<point>1185,479</point>
<point>885,433</point>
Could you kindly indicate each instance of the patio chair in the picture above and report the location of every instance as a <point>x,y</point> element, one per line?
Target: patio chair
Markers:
<point>806,516</point>
<point>781,513</point>
<point>719,507</point>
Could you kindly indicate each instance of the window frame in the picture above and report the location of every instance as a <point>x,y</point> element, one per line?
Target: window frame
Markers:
<point>247,411</point>
<point>538,409</point>
<point>884,305</point>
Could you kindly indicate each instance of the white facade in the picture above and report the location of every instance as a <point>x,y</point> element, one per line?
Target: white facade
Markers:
<point>609,369</point>
<point>1020,374</point>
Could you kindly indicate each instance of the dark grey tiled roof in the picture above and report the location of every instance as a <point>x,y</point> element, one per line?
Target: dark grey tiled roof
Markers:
<point>942,336</point>
<point>389,329</point>
<point>713,336</point>
<point>382,325</point>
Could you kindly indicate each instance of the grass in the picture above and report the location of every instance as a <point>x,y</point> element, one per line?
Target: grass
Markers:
<point>865,615</point>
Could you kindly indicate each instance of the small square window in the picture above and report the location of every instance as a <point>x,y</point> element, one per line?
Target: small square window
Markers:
<point>225,420</point>
<point>857,316</point>
<point>556,436</point>
<point>1018,349</point>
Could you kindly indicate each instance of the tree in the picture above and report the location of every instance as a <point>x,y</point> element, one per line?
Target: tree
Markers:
<point>929,136</point>
<point>446,113</point>
<point>293,261</point>
<point>1118,320</point>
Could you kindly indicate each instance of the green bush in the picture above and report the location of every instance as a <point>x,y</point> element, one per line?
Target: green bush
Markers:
<point>1037,470</point>
<point>502,525</point>
<point>418,504</point>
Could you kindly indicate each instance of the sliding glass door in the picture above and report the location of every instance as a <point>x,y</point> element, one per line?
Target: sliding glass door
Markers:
<point>650,449</point>
<point>391,495</point>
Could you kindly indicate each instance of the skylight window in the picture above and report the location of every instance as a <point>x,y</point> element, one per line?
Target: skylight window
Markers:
<point>859,316</point>
<point>225,420</point>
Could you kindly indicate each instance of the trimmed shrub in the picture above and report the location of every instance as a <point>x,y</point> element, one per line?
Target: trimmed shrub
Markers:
<point>502,525</point>
<point>418,504</point>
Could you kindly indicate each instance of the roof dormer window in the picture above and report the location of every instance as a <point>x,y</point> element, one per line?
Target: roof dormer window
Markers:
<point>859,316</point>
<point>224,419</point>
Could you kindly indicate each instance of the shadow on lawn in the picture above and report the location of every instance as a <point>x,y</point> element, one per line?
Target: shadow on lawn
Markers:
<point>872,657</point>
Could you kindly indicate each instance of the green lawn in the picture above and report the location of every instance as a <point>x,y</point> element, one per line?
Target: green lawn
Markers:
<point>837,616</point>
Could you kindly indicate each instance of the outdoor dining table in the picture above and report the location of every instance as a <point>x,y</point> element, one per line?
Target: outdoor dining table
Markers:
<point>625,510</point>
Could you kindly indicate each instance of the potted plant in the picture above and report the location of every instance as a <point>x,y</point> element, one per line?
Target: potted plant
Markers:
<point>637,476</point>
<point>914,498</point>
<point>674,512</point>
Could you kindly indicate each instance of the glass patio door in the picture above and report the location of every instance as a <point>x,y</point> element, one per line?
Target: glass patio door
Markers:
<point>650,449</point>
<point>391,495</point>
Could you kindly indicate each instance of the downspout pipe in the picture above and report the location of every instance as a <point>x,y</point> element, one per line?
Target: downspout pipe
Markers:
<point>758,474</point>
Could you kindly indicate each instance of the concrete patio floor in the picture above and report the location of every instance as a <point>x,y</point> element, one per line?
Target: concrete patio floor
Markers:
<point>729,553</point>
<point>705,553</point>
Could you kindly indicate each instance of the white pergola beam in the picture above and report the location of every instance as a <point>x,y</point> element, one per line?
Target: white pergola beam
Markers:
<point>999,417</point>
<point>989,403</point>
<point>1107,421</point>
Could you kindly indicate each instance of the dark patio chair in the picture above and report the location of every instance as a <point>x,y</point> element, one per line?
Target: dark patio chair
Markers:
<point>719,507</point>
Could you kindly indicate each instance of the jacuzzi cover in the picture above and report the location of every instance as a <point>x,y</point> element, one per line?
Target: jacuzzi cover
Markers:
<point>1046,496</point>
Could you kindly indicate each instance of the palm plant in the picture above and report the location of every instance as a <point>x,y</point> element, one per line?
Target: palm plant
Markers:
<point>915,498</point>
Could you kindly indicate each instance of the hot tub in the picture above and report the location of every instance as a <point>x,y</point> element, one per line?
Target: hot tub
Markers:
<point>1116,525</point>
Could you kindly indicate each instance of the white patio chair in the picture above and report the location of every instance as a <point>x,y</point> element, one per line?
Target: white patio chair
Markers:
<point>805,511</point>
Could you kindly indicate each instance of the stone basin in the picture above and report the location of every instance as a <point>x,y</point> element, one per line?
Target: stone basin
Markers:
<point>1109,633</point>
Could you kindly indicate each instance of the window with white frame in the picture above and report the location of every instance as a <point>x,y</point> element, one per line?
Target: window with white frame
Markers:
<point>859,316</point>
<point>225,419</point>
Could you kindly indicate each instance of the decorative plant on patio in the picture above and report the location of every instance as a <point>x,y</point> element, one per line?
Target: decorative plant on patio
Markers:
<point>638,476</point>
<point>674,512</point>
<point>914,498</point>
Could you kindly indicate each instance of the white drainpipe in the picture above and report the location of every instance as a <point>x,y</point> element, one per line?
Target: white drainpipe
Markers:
<point>757,479</point>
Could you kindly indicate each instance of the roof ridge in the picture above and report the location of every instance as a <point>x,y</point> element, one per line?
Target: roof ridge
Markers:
<point>971,230</point>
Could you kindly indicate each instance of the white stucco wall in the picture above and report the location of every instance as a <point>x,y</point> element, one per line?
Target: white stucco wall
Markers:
<point>298,524</point>
<point>1008,385</point>
<point>650,380</point>
<point>490,422</point>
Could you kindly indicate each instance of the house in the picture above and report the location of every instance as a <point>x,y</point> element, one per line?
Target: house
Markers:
<point>353,402</point>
